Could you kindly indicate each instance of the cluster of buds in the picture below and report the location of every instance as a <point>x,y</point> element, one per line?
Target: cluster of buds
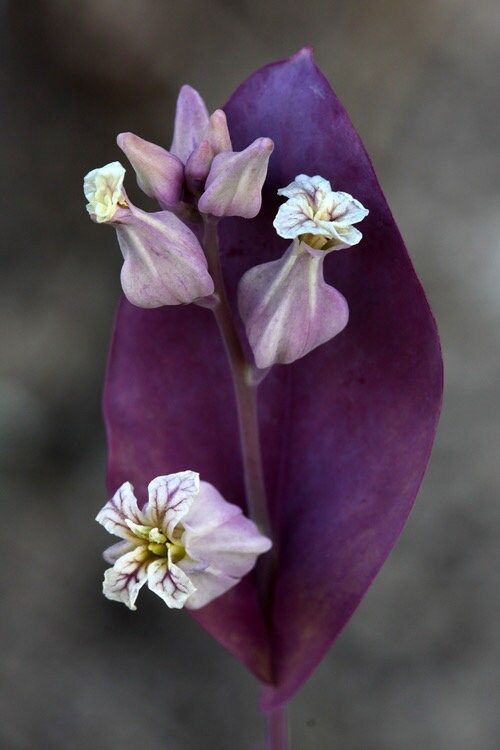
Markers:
<point>286,306</point>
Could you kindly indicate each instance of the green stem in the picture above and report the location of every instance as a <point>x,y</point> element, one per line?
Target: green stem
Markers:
<point>245,390</point>
<point>278,730</point>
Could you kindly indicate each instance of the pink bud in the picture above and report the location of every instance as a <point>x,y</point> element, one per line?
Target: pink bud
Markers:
<point>234,184</point>
<point>159,174</point>
<point>191,120</point>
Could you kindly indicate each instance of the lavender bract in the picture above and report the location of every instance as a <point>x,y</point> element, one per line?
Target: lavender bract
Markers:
<point>346,431</point>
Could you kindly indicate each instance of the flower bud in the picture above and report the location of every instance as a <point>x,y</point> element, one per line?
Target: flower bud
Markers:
<point>159,174</point>
<point>191,120</point>
<point>234,184</point>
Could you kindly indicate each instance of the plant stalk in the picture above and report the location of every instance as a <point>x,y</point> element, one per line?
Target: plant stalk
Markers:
<point>278,729</point>
<point>245,389</point>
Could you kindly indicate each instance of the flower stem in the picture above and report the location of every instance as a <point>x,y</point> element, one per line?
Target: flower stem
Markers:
<point>278,731</point>
<point>245,390</point>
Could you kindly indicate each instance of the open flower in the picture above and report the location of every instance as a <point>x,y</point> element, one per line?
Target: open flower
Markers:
<point>103,189</point>
<point>322,218</point>
<point>187,542</point>
<point>164,263</point>
<point>286,305</point>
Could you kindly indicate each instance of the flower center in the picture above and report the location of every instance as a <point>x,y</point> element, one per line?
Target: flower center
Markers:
<point>158,543</point>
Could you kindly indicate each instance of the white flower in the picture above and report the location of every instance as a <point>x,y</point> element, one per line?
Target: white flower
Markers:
<point>103,188</point>
<point>321,217</point>
<point>187,542</point>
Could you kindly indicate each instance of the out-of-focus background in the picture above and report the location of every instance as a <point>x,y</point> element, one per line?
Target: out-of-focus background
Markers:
<point>416,667</point>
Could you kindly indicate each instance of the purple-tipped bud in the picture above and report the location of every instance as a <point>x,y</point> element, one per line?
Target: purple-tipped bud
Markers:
<point>159,174</point>
<point>234,184</point>
<point>198,166</point>
<point>191,120</point>
<point>217,132</point>
<point>287,307</point>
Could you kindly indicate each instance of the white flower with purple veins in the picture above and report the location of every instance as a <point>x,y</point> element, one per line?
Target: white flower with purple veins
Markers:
<point>287,307</point>
<point>321,217</point>
<point>187,542</point>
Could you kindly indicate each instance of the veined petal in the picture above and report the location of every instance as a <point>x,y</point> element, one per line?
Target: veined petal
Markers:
<point>315,187</point>
<point>191,120</point>
<point>314,208</point>
<point>111,554</point>
<point>164,262</point>
<point>122,507</point>
<point>170,583</point>
<point>170,498</point>
<point>234,184</point>
<point>159,174</point>
<point>349,210</point>
<point>287,308</point>
<point>124,580</point>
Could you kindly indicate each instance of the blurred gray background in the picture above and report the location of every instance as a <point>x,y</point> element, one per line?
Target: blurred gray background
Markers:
<point>417,666</point>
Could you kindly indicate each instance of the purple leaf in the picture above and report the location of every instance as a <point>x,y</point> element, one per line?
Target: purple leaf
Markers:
<point>346,431</point>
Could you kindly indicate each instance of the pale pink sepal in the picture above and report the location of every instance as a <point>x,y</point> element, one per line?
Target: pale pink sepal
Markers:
<point>235,181</point>
<point>164,263</point>
<point>222,545</point>
<point>191,120</point>
<point>287,307</point>
<point>159,173</point>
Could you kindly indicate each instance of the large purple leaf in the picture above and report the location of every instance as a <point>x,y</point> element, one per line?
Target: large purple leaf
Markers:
<point>346,431</point>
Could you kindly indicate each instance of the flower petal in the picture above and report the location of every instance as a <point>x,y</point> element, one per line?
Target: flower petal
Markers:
<point>159,174</point>
<point>191,120</point>
<point>287,308</point>
<point>169,582</point>
<point>164,262</point>
<point>235,181</point>
<point>170,498</point>
<point>111,554</point>
<point>122,507</point>
<point>124,580</point>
